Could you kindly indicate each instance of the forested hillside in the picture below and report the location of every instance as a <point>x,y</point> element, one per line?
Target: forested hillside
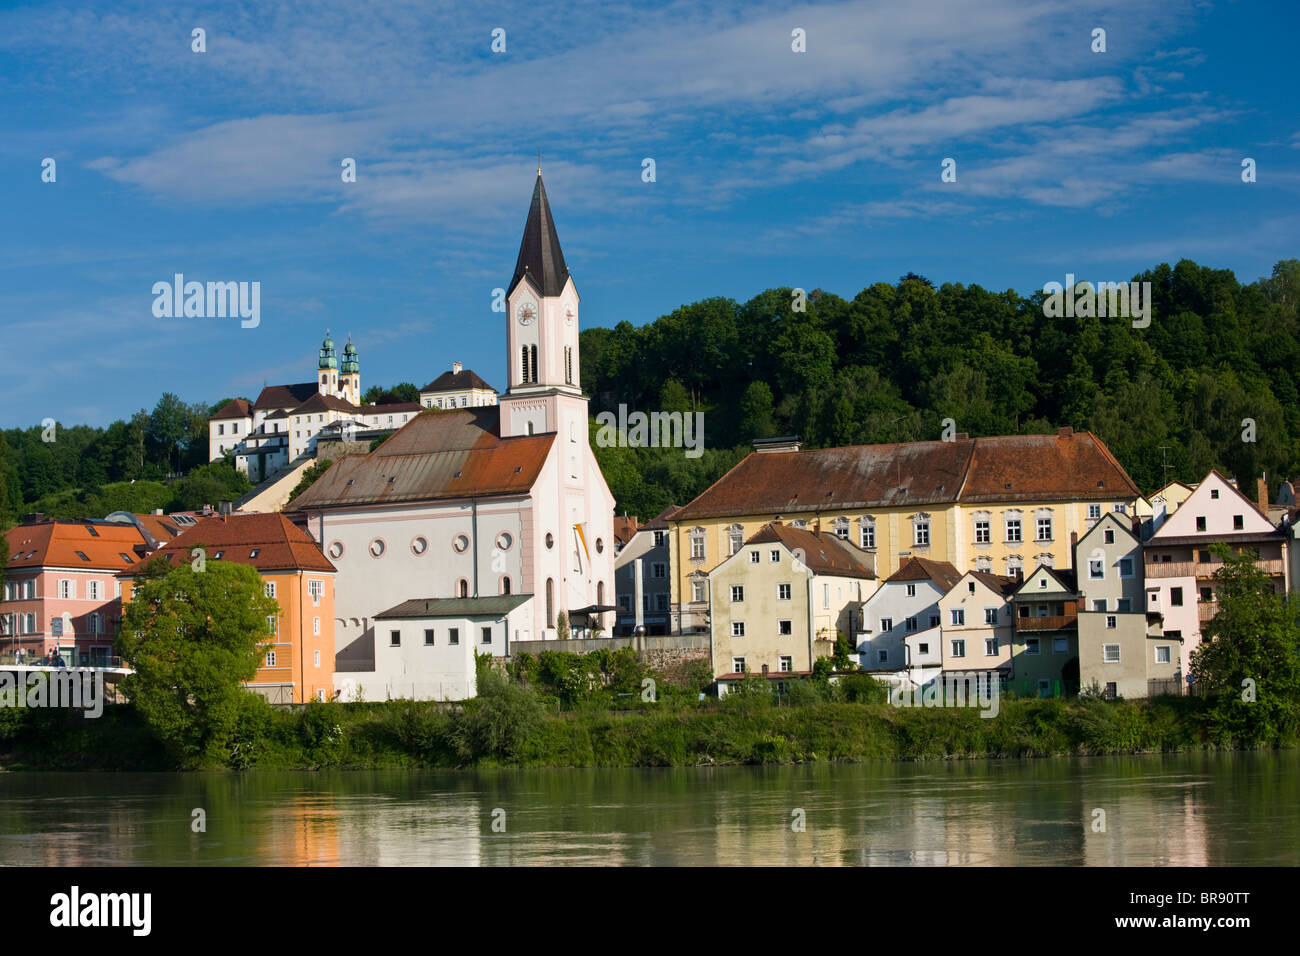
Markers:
<point>893,362</point>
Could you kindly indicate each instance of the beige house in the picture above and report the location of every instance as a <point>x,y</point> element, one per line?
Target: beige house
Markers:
<point>778,603</point>
<point>977,621</point>
<point>999,505</point>
<point>1046,637</point>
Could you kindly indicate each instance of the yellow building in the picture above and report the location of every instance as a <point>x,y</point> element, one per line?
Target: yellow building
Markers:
<point>1000,505</point>
<point>779,603</point>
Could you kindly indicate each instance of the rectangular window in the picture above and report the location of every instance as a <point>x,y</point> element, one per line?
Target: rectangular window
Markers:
<point>1238,522</point>
<point>316,588</point>
<point>1162,653</point>
<point>270,658</point>
<point>660,537</point>
<point>1124,605</point>
<point>1013,530</point>
<point>868,534</point>
<point>1126,567</point>
<point>1060,645</point>
<point>1207,595</point>
<point>1120,508</point>
<point>826,595</point>
<point>737,628</point>
<point>958,616</point>
<point>923,648</point>
<point>886,624</point>
<point>428,637</point>
<point>67,588</point>
<point>921,538</point>
<point>737,593</point>
<point>1094,512</point>
<point>958,649</point>
<point>394,638</point>
<point>990,647</point>
<point>697,547</point>
<point>1031,645</point>
<point>911,590</point>
<point>784,628</point>
<point>316,658</point>
<point>698,591</point>
<point>755,557</point>
<point>882,657</point>
<point>783,592</point>
<point>1099,604</point>
<point>1108,536</point>
<point>787,664</point>
<point>934,620</point>
<point>453,636</point>
<point>1110,653</point>
<point>1112,622</point>
<point>1200,523</point>
<point>271,624</point>
<point>1096,569</point>
<point>1176,597</point>
<point>911,624</point>
<point>487,636</point>
<point>775,554</point>
<point>315,626</point>
<point>737,665</point>
<point>990,615</point>
<point>659,570</point>
<point>983,532</point>
<point>1044,526</point>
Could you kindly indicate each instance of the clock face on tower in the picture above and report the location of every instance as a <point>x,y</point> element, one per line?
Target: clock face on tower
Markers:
<point>527,312</point>
<point>568,316</point>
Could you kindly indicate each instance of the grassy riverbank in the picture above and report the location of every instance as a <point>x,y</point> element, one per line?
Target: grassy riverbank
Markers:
<point>518,732</point>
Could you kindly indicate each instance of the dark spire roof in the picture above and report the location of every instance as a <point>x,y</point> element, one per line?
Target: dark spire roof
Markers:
<point>540,257</point>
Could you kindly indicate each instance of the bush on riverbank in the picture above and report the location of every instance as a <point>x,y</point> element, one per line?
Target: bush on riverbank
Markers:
<point>508,725</point>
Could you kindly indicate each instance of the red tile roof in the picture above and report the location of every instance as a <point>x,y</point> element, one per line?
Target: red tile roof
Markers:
<point>235,408</point>
<point>660,521</point>
<point>942,573</point>
<point>57,543</point>
<point>823,553</point>
<point>436,455</point>
<point>324,403</point>
<point>624,529</point>
<point>285,396</point>
<point>1061,467</point>
<point>461,381</point>
<point>280,544</point>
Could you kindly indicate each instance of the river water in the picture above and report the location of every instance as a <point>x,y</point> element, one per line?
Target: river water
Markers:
<point>1185,809</point>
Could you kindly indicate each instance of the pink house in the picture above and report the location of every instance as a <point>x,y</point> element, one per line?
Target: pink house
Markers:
<point>60,594</point>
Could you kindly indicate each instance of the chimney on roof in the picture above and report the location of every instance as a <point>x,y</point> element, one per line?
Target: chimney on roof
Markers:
<point>786,443</point>
<point>1065,431</point>
<point>1261,495</point>
<point>157,511</point>
<point>455,368</point>
<point>225,507</point>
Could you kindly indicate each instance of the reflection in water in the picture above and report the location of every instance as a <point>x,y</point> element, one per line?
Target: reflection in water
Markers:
<point>1177,810</point>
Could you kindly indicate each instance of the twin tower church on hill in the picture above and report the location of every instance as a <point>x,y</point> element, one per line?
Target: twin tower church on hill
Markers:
<point>474,496</point>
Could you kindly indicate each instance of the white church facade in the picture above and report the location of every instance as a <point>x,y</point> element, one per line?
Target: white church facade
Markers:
<point>477,501</point>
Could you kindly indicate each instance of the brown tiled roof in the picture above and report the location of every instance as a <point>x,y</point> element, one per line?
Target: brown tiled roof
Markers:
<point>280,544</point>
<point>660,521</point>
<point>285,396</point>
<point>460,381</point>
<point>624,529</point>
<point>823,553</point>
<point>235,408</point>
<point>164,528</point>
<point>942,573</point>
<point>998,583</point>
<point>57,543</point>
<point>434,456</point>
<point>1064,577</point>
<point>324,403</point>
<point>1059,467</point>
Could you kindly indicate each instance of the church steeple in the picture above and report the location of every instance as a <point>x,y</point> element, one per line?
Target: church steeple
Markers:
<point>540,258</point>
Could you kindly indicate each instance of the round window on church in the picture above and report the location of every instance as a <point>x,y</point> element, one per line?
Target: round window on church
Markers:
<point>460,543</point>
<point>336,549</point>
<point>377,547</point>
<point>550,541</point>
<point>419,545</point>
<point>504,541</point>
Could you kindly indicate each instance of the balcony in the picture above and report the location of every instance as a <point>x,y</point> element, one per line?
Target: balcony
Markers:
<point>1206,610</point>
<point>1052,622</point>
<point>1204,570</point>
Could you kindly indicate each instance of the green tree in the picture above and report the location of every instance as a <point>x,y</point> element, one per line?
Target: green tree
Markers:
<point>309,475</point>
<point>1251,644</point>
<point>193,638</point>
<point>169,427</point>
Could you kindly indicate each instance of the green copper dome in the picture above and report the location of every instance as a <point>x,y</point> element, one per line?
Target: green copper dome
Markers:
<point>350,363</point>
<point>328,358</point>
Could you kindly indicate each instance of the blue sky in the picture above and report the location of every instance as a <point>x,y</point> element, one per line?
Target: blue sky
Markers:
<point>816,169</point>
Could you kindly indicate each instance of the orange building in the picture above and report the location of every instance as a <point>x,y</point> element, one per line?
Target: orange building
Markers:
<point>299,661</point>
